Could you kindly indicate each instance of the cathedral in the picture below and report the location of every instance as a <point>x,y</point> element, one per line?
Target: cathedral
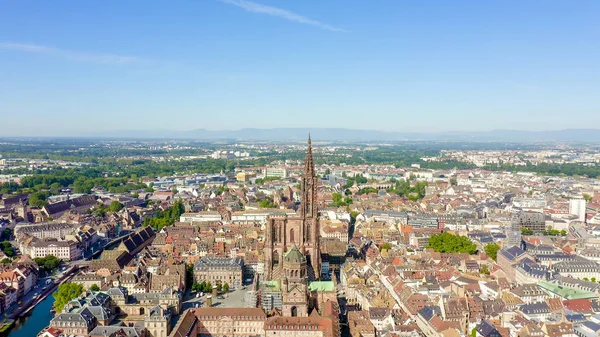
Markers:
<point>292,251</point>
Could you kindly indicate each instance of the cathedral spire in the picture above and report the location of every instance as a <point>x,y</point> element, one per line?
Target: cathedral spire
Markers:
<point>309,185</point>
<point>309,167</point>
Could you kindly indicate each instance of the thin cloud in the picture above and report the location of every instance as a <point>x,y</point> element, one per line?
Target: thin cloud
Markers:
<point>74,55</point>
<point>254,7</point>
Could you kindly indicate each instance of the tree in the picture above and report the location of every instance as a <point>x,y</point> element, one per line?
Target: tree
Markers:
<point>226,287</point>
<point>484,270</point>
<point>6,234</point>
<point>47,263</point>
<point>353,216</point>
<point>100,210</point>
<point>593,279</point>
<point>196,287</point>
<point>65,293</point>
<point>552,232</point>
<point>189,274</point>
<point>6,260</point>
<point>563,233</point>
<point>340,201</point>
<point>8,249</point>
<point>219,287</point>
<point>453,181</point>
<point>449,243</point>
<point>491,249</point>
<point>267,203</point>
<point>167,218</point>
<point>115,206</point>
<point>526,231</point>
<point>38,199</point>
<point>587,197</point>
<point>404,188</point>
<point>94,287</point>
<point>385,246</point>
<point>367,190</point>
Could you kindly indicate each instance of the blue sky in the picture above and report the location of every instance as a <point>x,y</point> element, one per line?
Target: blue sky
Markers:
<point>76,67</point>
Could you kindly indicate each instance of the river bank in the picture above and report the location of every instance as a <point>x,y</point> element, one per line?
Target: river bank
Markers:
<point>31,325</point>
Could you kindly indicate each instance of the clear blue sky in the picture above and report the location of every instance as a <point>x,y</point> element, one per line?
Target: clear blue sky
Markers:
<point>73,67</point>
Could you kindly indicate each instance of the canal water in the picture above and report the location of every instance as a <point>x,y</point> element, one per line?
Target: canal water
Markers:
<point>38,319</point>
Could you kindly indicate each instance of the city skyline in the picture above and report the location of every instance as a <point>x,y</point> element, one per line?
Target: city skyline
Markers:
<point>78,68</point>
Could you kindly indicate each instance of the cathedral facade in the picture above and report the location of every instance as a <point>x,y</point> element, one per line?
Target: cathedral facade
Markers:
<point>292,248</point>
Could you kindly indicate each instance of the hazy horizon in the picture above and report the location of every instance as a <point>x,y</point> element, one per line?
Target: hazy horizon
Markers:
<point>334,134</point>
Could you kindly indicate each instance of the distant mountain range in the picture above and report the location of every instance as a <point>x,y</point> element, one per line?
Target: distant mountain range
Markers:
<point>340,134</point>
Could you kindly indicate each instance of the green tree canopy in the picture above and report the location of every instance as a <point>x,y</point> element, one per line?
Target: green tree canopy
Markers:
<point>38,199</point>
<point>491,249</point>
<point>8,249</point>
<point>47,263</point>
<point>94,287</point>
<point>339,200</point>
<point>65,293</point>
<point>267,203</point>
<point>449,243</point>
<point>167,218</point>
<point>526,231</point>
<point>404,188</point>
<point>115,206</point>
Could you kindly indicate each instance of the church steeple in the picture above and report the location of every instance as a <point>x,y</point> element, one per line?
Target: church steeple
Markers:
<point>309,185</point>
<point>309,165</point>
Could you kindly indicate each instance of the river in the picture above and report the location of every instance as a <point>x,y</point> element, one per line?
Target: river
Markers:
<point>39,318</point>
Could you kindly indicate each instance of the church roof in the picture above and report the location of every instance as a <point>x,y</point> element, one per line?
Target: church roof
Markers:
<point>294,256</point>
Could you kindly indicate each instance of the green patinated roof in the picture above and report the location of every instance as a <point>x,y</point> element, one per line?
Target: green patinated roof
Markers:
<point>566,292</point>
<point>294,256</point>
<point>321,286</point>
<point>272,285</point>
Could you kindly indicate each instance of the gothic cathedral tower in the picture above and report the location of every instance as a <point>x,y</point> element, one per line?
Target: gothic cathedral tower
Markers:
<point>309,211</point>
<point>283,232</point>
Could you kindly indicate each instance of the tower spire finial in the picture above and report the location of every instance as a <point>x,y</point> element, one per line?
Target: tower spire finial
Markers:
<point>309,138</point>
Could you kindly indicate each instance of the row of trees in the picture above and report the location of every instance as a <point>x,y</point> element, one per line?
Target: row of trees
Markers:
<point>206,287</point>
<point>571,169</point>
<point>367,190</point>
<point>548,232</point>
